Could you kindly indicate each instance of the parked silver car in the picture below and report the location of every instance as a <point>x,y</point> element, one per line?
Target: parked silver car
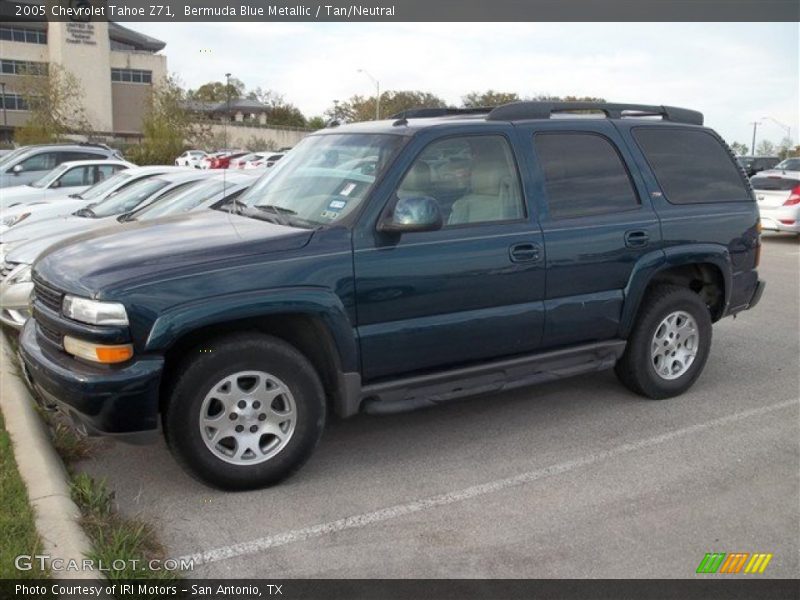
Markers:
<point>15,278</point>
<point>29,163</point>
<point>778,197</point>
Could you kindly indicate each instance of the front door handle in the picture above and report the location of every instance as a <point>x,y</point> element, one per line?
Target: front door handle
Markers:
<point>636,239</point>
<point>525,252</point>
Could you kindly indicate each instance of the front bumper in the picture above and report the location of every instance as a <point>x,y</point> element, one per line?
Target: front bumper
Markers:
<point>15,303</point>
<point>119,401</point>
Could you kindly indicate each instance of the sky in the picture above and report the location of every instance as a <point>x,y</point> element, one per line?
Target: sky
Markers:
<point>735,73</point>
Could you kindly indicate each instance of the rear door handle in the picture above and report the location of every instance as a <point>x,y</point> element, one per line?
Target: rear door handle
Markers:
<point>525,252</point>
<point>636,239</point>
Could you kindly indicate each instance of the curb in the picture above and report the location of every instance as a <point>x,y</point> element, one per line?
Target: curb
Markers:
<point>57,517</point>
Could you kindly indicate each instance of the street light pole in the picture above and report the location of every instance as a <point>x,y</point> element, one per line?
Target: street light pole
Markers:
<point>755,125</point>
<point>227,106</point>
<point>377,94</point>
<point>783,126</point>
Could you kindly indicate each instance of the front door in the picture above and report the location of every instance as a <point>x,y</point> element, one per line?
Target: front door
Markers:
<point>469,292</point>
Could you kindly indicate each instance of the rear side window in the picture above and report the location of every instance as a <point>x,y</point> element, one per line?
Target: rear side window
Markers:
<point>584,175</point>
<point>774,184</point>
<point>691,166</point>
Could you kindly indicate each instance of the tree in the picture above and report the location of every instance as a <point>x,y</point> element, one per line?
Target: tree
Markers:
<point>316,122</point>
<point>488,98</point>
<point>56,104</point>
<point>739,149</point>
<point>359,108</point>
<point>765,148</point>
<point>785,148</point>
<point>166,128</point>
<point>217,91</point>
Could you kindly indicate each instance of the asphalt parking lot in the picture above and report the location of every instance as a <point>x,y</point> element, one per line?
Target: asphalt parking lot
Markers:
<point>578,478</point>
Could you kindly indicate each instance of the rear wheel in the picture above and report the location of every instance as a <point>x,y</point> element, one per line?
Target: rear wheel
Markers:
<point>245,413</point>
<point>669,345</point>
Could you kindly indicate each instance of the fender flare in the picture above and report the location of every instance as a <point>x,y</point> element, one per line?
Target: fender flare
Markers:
<point>653,263</point>
<point>182,319</point>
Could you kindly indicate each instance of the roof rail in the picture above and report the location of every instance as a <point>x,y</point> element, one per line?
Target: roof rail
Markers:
<point>516,111</point>
<point>429,113</point>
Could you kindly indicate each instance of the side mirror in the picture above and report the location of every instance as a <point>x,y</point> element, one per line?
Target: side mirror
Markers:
<point>55,184</point>
<point>418,213</point>
<point>17,169</point>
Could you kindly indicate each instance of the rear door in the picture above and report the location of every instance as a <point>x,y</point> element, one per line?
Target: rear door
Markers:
<point>597,224</point>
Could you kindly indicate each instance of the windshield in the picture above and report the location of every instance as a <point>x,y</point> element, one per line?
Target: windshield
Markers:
<point>182,199</point>
<point>128,199</point>
<point>12,156</point>
<point>103,187</point>
<point>790,164</point>
<point>322,180</point>
<point>50,177</point>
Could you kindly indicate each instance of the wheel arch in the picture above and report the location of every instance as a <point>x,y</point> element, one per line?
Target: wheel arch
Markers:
<point>313,321</point>
<point>703,268</point>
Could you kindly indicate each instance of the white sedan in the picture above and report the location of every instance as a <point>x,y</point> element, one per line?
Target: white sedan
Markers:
<point>778,198</point>
<point>190,158</point>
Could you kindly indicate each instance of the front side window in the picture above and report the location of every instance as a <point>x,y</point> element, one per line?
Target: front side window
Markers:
<point>583,175</point>
<point>691,166</point>
<point>324,179</point>
<point>473,179</point>
<point>43,161</point>
<point>75,176</point>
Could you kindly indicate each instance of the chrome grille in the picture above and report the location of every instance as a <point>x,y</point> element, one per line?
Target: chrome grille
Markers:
<point>47,296</point>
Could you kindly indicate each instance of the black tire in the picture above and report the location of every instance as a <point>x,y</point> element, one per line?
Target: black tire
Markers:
<point>217,359</point>
<point>635,368</point>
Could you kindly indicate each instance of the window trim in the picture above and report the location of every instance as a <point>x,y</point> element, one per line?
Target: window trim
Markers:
<point>713,134</point>
<point>118,75</point>
<point>549,216</point>
<point>393,198</point>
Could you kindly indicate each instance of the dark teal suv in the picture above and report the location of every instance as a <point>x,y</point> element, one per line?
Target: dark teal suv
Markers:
<point>393,265</point>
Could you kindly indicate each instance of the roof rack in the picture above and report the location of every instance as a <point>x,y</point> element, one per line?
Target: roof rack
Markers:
<point>429,113</point>
<point>516,111</point>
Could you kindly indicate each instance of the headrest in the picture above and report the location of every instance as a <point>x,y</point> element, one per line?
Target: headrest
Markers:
<point>418,178</point>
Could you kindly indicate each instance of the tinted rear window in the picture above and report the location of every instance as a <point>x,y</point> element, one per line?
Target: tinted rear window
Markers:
<point>774,184</point>
<point>584,175</point>
<point>691,166</point>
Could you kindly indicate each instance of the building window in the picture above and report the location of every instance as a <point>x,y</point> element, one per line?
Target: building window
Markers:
<point>13,102</point>
<point>18,34</point>
<point>131,76</point>
<point>22,67</point>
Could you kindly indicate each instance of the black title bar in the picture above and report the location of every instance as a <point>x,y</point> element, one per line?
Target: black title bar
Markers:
<point>401,10</point>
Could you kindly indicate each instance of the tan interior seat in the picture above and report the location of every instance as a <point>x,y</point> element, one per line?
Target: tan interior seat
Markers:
<point>492,197</point>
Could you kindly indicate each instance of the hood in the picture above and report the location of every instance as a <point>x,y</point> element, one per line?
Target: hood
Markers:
<point>100,259</point>
<point>17,193</point>
<point>49,227</point>
<point>30,249</point>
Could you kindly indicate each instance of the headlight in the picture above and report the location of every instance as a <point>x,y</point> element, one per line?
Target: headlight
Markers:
<point>14,219</point>
<point>94,312</point>
<point>22,274</point>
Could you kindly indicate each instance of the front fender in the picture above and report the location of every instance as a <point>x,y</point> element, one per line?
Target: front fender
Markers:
<point>653,263</point>
<point>182,319</point>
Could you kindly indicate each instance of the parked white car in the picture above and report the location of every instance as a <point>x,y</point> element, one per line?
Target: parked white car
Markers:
<point>778,198</point>
<point>265,160</point>
<point>64,205</point>
<point>190,158</point>
<point>67,178</point>
<point>207,192</point>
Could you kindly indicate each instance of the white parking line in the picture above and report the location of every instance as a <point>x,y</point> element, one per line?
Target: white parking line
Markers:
<point>399,510</point>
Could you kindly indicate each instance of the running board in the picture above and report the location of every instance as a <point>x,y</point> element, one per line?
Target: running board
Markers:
<point>411,393</point>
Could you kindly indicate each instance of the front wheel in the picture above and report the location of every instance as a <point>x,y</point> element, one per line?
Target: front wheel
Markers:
<point>246,412</point>
<point>669,345</point>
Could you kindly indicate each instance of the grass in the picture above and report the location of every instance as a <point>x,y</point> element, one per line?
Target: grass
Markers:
<point>16,516</point>
<point>114,537</point>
